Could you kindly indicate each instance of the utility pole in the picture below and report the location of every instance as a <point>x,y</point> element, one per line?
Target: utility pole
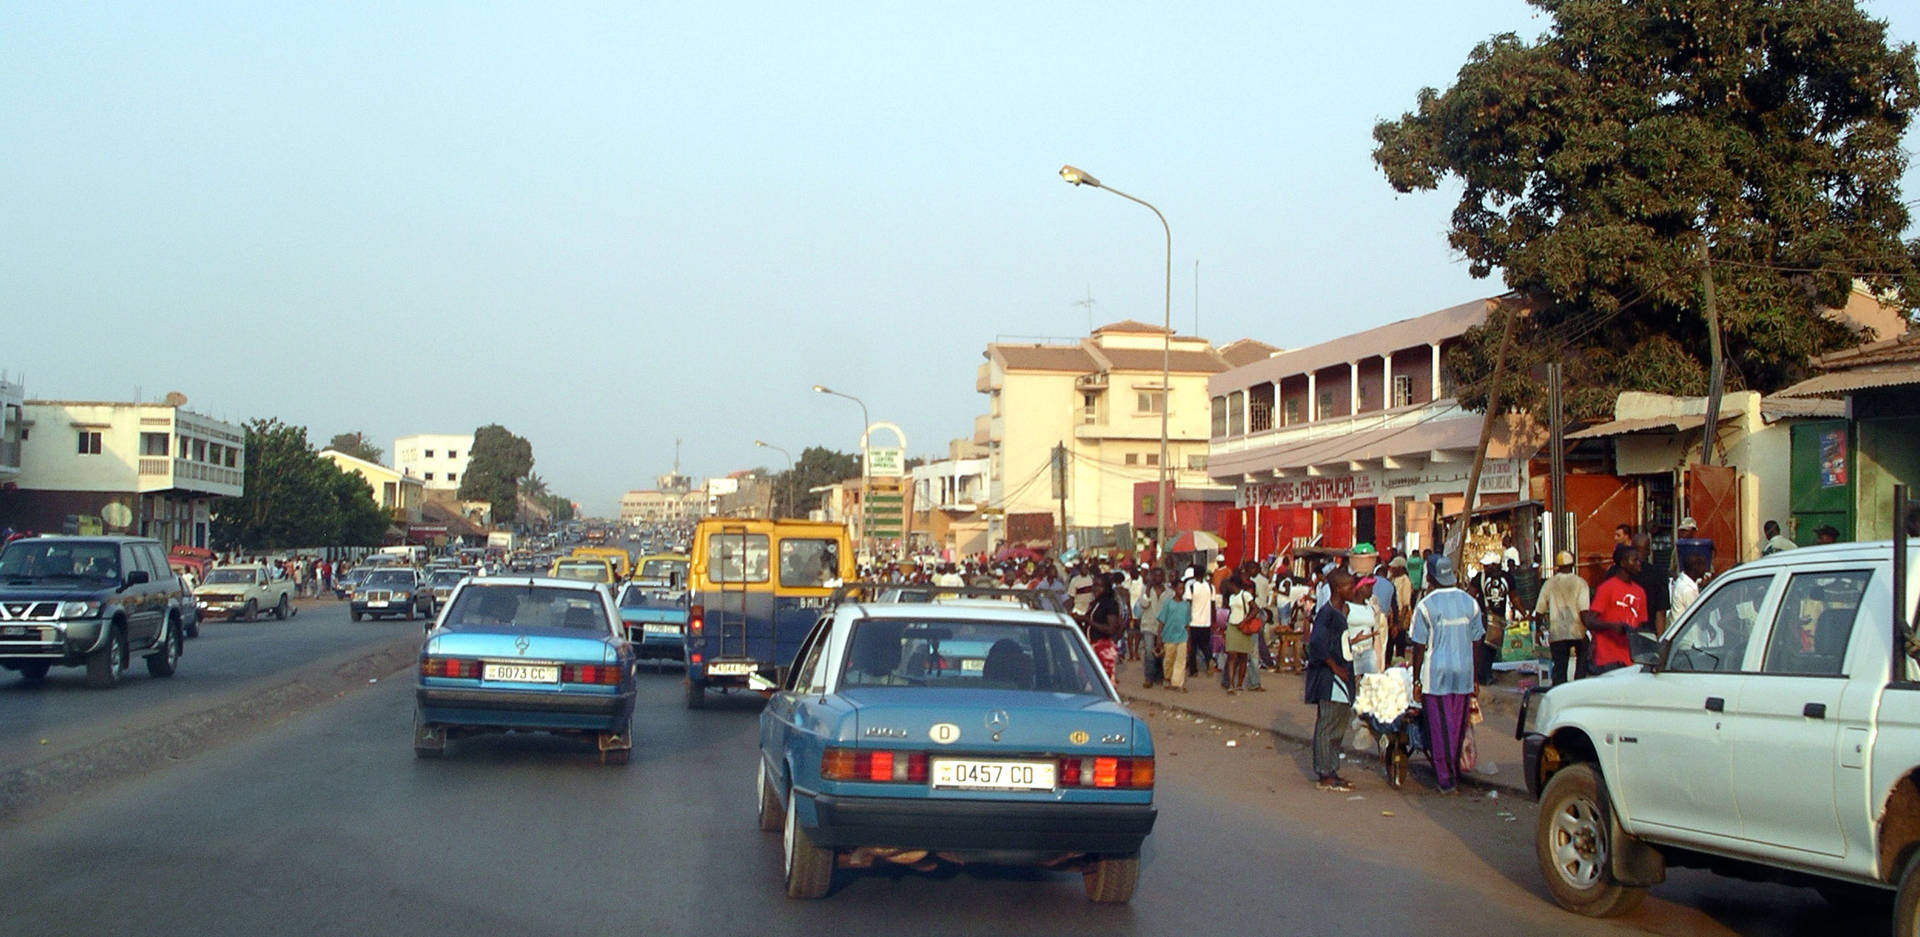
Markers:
<point>1557,477</point>
<point>1459,547</point>
<point>1060,491</point>
<point>1717,369</point>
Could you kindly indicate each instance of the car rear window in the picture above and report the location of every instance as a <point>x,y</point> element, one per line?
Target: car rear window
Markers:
<point>652,597</point>
<point>529,607</point>
<point>982,655</point>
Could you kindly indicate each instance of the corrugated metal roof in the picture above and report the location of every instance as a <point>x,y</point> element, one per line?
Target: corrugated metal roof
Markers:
<point>1646,424</point>
<point>1840,383</point>
<point>1247,351</point>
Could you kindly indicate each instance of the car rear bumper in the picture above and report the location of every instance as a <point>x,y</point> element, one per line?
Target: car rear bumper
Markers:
<point>520,709</point>
<point>955,825</point>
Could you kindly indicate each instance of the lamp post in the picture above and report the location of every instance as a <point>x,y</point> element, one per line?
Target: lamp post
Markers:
<point>1161,495</point>
<point>866,464</point>
<point>767,445</point>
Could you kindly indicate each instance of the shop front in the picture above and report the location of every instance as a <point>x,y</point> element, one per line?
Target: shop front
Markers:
<point>1402,508</point>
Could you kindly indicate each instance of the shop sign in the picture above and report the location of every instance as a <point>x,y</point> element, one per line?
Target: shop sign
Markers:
<point>1334,489</point>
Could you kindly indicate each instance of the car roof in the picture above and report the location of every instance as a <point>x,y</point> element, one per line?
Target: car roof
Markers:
<point>496,582</point>
<point>998,612</point>
<point>90,538</point>
<point>1878,550</point>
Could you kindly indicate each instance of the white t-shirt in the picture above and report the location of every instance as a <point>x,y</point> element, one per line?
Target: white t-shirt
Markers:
<point>1200,593</point>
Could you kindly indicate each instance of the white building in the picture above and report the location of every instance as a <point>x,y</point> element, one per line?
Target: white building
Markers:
<point>13,398</point>
<point>439,460</point>
<point>151,469</point>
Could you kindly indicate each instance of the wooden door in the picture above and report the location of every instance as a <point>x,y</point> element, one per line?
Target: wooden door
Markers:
<point>1713,501</point>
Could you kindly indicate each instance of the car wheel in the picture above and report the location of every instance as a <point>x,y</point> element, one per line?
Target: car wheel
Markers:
<point>356,615</point>
<point>105,665</point>
<point>34,671</point>
<point>1110,879</point>
<point>409,612</point>
<point>280,612</point>
<point>252,612</point>
<point>696,695</point>
<point>809,868</point>
<point>1573,842</point>
<point>163,662</point>
<point>771,816</point>
<point>1906,902</point>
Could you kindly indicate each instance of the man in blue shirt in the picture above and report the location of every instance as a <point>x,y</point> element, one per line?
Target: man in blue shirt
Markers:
<point>1174,615</point>
<point>1330,681</point>
<point>1446,628</point>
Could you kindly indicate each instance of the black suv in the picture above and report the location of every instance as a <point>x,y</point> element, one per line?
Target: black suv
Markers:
<point>95,601</point>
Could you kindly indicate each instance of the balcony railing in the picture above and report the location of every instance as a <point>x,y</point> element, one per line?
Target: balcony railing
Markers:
<point>157,472</point>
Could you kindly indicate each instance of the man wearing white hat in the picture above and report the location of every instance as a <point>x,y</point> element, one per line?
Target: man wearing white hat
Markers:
<point>1562,598</point>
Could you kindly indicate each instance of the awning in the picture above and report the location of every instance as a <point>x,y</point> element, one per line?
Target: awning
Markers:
<point>1648,424</point>
<point>1841,383</point>
<point>1503,508</point>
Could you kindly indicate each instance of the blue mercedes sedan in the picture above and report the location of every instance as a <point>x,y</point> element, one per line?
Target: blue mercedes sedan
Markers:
<point>517,654</point>
<point>924,733</point>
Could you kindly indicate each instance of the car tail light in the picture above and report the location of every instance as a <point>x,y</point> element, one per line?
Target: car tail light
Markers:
<point>1122,773</point>
<point>602,674</point>
<point>450,667</point>
<point>697,620</point>
<point>848,764</point>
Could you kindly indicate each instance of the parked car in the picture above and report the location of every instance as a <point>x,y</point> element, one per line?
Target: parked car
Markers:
<point>1774,734</point>
<point>89,601</point>
<point>392,591</point>
<point>524,653</point>
<point>953,732</point>
<point>241,590</point>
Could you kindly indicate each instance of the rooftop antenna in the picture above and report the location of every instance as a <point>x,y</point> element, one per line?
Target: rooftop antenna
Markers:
<point>1196,297</point>
<point>676,457</point>
<point>1087,304</point>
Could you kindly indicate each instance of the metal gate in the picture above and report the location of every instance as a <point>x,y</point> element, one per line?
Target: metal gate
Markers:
<point>1713,501</point>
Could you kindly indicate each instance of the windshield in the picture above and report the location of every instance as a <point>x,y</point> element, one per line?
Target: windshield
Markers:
<point>529,607</point>
<point>390,579</point>
<point>663,570</point>
<point>984,655</point>
<point>25,560</point>
<point>641,596</point>
<point>447,579</point>
<point>229,575</point>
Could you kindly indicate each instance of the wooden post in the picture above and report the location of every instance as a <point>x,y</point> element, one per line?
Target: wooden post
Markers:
<point>1717,368</point>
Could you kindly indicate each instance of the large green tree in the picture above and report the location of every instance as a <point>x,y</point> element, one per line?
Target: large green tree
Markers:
<point>496,464</point>
<point>294,498</point>
<point>1595,162</point>
<point>816,466</point>
<point>356,444</point>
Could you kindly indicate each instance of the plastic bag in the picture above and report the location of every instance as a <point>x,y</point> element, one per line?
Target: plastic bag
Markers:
<point>1469,753</point>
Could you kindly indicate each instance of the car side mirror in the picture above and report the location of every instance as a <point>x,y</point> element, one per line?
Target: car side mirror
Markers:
<point>139,576</point>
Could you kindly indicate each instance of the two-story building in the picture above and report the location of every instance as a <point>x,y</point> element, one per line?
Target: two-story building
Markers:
<point>1098,402</point>
<point>439,460</point>
<point>151,469</point>
<point>948,496</point>
<point>1358,439</point>
<point>397,493</point>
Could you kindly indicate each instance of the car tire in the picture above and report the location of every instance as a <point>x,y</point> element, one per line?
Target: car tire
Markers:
<point>355,615</point>
<point>105,665</point>
<point>280,611</point>
<point>34,671</point>
<point>1573,844</point>
<point>409,612</point>
<point>1110,879</point>
<point>1906,902</point>
<point>696,695</point>
<point>166,660</point>
<point>771,814</point>
<point>809,868</point>
<point>252,612</point>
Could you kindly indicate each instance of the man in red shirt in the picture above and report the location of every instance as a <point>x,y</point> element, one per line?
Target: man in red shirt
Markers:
<point>1619,606</point>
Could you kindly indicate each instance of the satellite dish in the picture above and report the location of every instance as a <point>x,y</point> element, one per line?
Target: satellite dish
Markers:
<point>176,399</point>
<point>116,515</point>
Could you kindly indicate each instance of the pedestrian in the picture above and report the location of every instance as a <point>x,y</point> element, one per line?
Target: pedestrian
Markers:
<point>1329,683</point>
<point>1622,535</point>
<point>1202,598</point>
<point>1238,644</point>
<point>1403,608</point>
<point>1446,632</point>
<point>1146,616</point>
<point>1562,598</point>
<point>1686,585</point>
<point>1653,582</point>
<point>1775,541</point>
<point>1104,625</point>
<point>1175,614</point>
<point>1619,607</point>
<point>1826,533</point>
<point>1495,589</point>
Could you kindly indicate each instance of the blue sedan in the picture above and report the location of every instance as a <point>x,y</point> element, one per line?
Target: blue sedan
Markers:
<point>655,615</point>
<point>917,734</point>
<point>520,654</point>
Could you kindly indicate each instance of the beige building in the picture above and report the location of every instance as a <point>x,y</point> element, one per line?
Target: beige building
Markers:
<point>1100,399</point>
<point>655,506</point>
<point>397,493</point>
<point>437,459</point>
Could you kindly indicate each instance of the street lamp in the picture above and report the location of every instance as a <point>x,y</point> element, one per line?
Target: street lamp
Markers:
<point>1161,496</point>
<point>767,445</point>
<point>866,462</point>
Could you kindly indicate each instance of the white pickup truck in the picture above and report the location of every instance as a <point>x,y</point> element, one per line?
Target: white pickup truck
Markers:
<point>242,590</point>
<point>1773,735</point>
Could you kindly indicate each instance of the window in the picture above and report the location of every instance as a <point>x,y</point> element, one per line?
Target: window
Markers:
<point>1815,619</point>
<point>1714,637</point>
<point>89,442</point>
<point>1219,417</point>
<point>810,677</point>
<point>809,562</point>
<point>1326,405</point>
<point>1260,408</point>
<point>1197,463</point>
<point>1034,658</point>
<point>429,477</point>
<point>453,453</point>
<point>737,557</point>
<point>199,450</point>
<point>1402,390</point>
<point>1290,412</point>
<point>153,444</point>
<point>1236,413</point>
<point>1150,401</point>
<point>1089,408</point>
<point>1133,458</point>
<point>453,476</point>
<point>429,453</point>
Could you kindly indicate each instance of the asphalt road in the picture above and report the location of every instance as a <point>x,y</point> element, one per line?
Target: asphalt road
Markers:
<point>326,824</point>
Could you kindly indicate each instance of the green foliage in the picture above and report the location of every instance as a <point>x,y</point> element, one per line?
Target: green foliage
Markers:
<point>559,508</point>
<point>816,466</point>
<point>1593,162</point>
<point>356,444</point>
<point>497,462</point>
<point>294,498</point>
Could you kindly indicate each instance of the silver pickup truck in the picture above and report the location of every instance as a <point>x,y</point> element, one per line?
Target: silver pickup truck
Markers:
<point>1774,734</point>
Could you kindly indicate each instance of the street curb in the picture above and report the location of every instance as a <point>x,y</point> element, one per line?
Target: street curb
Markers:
<point>1510,784</point>
<point>48,785</point>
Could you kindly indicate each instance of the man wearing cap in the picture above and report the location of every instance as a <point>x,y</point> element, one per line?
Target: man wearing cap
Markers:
<point>1562,598</point>
<point>1447,634</point>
